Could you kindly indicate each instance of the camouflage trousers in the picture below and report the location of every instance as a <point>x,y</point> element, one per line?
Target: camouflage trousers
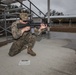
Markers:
<point>26,40</point>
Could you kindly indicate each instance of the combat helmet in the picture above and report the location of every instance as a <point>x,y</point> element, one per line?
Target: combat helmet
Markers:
<point>24,15</point>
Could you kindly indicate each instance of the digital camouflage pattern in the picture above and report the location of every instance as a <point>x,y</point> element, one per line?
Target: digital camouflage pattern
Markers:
<point>22,41</point>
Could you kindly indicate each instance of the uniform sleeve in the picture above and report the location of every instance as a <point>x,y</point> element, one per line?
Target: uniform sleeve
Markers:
<point>16,33</point>
<point>38,31</point>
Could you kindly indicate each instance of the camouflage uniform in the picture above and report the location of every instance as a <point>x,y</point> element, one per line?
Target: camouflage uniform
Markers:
<point>22,41</point>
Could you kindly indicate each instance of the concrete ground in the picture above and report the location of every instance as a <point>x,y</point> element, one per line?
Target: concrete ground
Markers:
<point>52,58</point>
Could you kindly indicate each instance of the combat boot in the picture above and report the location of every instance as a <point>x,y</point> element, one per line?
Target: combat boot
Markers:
<point>31,52</point>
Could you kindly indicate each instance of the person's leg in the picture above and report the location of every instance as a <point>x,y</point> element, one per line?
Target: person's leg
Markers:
<point>24,47</point>
<point>31,41</point>
<point>18,45</point>
<point>16,48</point>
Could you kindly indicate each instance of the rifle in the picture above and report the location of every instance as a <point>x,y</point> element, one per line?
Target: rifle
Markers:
<point>20,25</point>
<point>30,23</point>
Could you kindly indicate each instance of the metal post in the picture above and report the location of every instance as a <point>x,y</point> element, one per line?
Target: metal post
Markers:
<point>5,25</point>
<point>30,11</point>
<point>20,5</point>
<point>48,5</point>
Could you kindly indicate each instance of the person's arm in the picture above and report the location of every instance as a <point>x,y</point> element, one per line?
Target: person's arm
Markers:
<point>42,28</point>
<point>16,33</point>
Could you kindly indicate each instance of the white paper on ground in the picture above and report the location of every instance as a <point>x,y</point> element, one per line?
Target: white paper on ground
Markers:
<point>24,62</point>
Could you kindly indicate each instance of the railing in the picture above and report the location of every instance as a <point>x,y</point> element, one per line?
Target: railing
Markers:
<point>36,8</point>
<point>32,10</point>
<point>5,26</point>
